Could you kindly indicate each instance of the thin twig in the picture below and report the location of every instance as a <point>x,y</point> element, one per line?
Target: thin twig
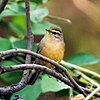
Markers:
<point>59,18</point>
<point>30,40</point>
<point>66,64</point>
<point>88,91</point>
<point>92,93</point>
<point>87,78</point>
<point>48,60</point>
<point>3,4</point>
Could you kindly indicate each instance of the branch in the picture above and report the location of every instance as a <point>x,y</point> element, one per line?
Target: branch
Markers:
<point>66,64</point>
<point>2,5</point>
<point>44,69</point>
<point>11,89</point>
<point>63,70</point>
<point>87,78</point>
<point>92,93</point>
<point>30,40</point>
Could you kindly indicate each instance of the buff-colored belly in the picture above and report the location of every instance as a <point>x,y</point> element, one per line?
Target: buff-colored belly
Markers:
<point>52,51</point>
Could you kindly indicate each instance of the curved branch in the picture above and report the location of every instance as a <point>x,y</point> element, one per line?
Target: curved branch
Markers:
<point>12,88</point>
<point>47,60</point>
<point>3,4</point>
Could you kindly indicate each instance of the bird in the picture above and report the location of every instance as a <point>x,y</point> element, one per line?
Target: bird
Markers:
<point>51,46</point>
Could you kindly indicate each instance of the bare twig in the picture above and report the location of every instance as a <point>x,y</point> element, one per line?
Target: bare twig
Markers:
<point>87,78</point>
<point>3,4</point>
<point>88,91</point>
<point>59,18</point>
<point>66,64</point>
<point>48,60</point>
<point>30,40</point>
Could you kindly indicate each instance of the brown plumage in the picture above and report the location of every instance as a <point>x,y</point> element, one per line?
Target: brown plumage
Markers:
<point>52,46</point>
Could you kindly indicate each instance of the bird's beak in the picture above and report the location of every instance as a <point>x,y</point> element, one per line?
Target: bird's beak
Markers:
<point>47,30</point>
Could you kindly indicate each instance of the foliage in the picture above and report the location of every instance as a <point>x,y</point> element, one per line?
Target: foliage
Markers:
<point>42,86</point>
<point>16,12</point>
<point>83,59</point>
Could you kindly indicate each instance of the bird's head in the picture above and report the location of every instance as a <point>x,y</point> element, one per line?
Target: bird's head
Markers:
<point>55,32</point>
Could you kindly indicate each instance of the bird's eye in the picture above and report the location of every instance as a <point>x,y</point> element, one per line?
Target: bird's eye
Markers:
<point>56,33</point>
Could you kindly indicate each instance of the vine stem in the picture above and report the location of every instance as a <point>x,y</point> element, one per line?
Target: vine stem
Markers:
<point>66,64</point>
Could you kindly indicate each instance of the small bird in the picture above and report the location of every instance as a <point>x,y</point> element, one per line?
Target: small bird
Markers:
<point>52,46</point>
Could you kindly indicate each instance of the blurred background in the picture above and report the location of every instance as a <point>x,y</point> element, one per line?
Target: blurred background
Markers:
<point>83,35</point>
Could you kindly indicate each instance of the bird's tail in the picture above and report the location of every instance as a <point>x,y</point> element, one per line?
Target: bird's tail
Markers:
<point>34,76</point>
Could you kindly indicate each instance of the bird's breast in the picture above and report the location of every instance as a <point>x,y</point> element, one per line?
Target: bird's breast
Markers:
<point>53,50</point>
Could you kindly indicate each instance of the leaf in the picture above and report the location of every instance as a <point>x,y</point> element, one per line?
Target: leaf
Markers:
<point>39,1</point>
<point>83,59</point>
<point>7,12</point>
<point>23,44</point>
<point>17,9</point>
<point>8,63</point>
<point>13,10</point>
<point>38,14</point>
<point>29,92</point>
<point>42,86</point>
<point>14,7</point>
<point>12,77</point>
<point>4,44</point>
<point>39,28</point>
<point>20,32</point>
<point>17,27</point>
<point>51,84</point>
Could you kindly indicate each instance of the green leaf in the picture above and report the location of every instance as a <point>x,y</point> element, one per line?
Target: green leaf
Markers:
<point>38,14</point>
<point>19,44</point>
<point>7,12</point>
<point>39,28</point>
<point>12,77</point>
<point>42,86</point>
<point>17,9</point>
<point>4,44</point>
<point>13,9</point>
<point>39,1</point>
<point>23,44</point>
<point>17,27</point>
<point>83,59</point>
<point>29,92</point>
<point>51,84</point>
<point>9,63</point>
<point>20,32</point>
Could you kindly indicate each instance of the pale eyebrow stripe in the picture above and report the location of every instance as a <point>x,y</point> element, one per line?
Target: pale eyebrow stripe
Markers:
<point>55,31</point>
